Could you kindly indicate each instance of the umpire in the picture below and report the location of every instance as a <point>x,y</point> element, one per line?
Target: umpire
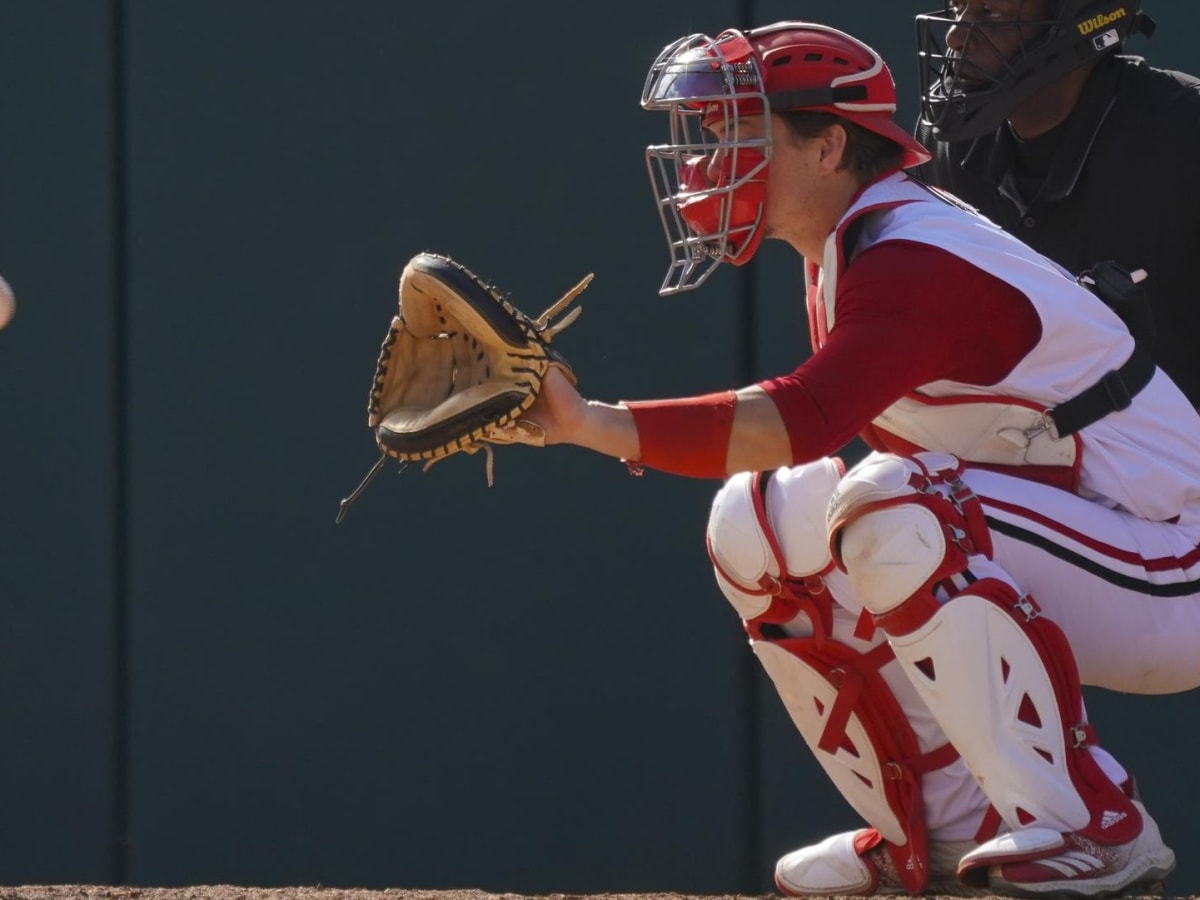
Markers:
<point>1088,155</point>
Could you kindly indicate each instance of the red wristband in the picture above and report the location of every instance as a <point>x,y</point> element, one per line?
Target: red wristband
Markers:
<point>689,436</point>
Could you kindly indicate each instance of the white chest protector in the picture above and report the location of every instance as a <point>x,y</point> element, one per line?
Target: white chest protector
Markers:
<point>1145,458</point>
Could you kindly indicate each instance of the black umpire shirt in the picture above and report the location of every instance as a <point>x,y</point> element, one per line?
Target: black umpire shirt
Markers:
<point>1118,180</point>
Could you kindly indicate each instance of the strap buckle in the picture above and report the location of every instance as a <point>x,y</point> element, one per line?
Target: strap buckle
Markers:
<point>1045,426</point>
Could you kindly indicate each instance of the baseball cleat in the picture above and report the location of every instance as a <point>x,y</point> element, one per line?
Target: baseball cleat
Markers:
<point>1039,862</point>
<point>856,863</point>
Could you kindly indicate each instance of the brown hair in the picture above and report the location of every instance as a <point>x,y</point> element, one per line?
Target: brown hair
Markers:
<point>867,154</point>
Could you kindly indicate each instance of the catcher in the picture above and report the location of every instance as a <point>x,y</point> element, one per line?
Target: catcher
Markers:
<point>1029,519</point>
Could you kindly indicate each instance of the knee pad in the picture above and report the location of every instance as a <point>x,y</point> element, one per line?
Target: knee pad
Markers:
<point>768,545</point>
<point>900,526</point>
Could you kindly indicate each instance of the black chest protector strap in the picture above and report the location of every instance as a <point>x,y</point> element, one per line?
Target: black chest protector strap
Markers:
<point>1112,393</point>
<point>1124,292</point>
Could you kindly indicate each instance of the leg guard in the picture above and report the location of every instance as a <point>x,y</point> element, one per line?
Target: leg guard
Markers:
<point>1001,680</point>
<point>768,544</point>
<point>848,716</point>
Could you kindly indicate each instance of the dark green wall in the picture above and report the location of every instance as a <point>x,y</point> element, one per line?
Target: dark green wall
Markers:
<point>203,210</point>
<point>59,473</point>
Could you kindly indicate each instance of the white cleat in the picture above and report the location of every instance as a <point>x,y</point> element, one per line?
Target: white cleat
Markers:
<point>1038,862</point>
<point>856,863</point>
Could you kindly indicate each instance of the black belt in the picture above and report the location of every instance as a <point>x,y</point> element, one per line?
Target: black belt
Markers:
<point>1112,393</point>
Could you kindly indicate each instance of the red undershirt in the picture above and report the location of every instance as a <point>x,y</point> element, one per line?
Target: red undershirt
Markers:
<point>907,314</point>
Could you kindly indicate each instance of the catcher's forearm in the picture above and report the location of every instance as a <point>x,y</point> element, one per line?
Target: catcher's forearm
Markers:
<point>708,436</point>
<point>607,429</point>
<point>760,439</point>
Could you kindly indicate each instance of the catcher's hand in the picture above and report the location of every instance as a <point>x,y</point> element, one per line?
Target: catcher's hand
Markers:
<point>458,367</point>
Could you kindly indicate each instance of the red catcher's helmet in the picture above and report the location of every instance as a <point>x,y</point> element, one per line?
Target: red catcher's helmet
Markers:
<point>776,68</point>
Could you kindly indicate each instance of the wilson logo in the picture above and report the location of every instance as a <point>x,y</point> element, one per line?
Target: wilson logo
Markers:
<point>1087,26</point>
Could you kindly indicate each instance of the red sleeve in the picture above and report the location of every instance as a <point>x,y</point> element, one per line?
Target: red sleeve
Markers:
<point>907,314</point>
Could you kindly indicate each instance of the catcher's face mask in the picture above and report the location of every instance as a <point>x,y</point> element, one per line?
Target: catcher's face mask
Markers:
<point>711,179</point>
<point>710,185</point>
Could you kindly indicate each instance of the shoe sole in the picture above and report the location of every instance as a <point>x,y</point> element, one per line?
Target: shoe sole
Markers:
<point>1150,881</point>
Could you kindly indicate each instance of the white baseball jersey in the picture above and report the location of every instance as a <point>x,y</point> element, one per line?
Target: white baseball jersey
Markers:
<point>1117,563</point>
<point>1145,459</point>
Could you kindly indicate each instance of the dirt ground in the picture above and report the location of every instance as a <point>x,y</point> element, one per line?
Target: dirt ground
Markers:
<point>231,892</point>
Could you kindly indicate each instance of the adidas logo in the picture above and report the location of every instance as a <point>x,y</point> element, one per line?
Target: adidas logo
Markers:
<point>1109,819</point>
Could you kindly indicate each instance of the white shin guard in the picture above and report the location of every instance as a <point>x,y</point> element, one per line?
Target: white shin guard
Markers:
<point>859,734</point>
<point>1000,679</point>
<point>988,676</point>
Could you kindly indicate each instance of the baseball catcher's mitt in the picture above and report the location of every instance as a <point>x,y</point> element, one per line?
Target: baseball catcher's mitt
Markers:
<point>459,365</point>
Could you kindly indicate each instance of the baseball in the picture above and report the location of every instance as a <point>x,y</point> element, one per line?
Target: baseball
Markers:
<point>8,303</point>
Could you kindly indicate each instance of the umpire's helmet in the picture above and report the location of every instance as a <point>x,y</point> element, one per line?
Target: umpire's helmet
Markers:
<point>961,101</point>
